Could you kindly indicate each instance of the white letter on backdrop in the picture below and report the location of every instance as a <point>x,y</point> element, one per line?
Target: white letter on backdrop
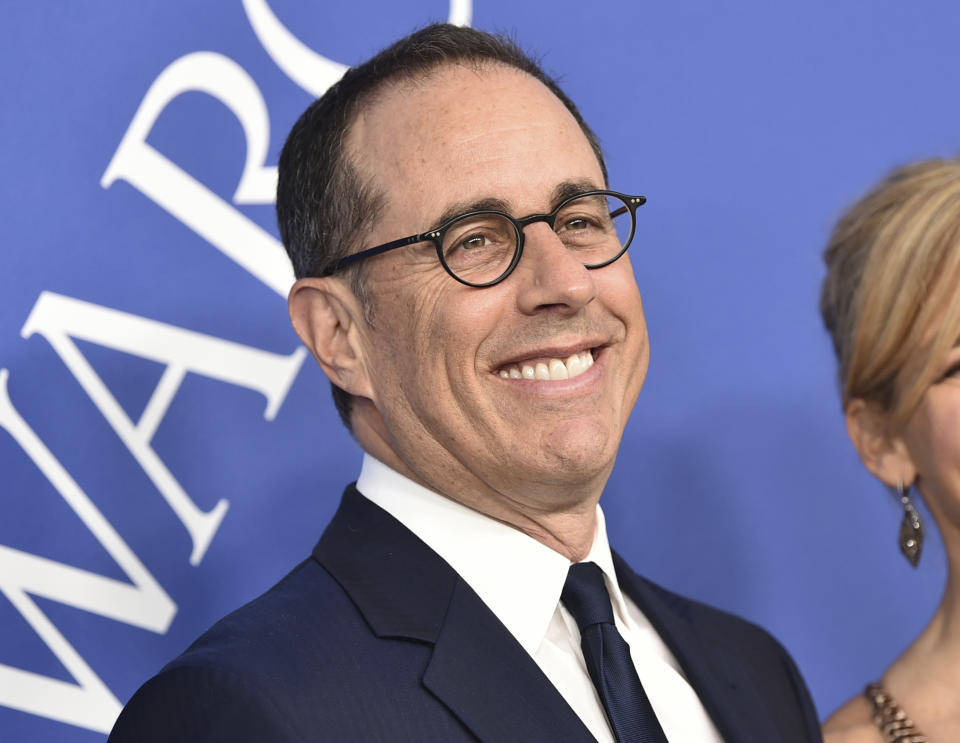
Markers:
<point>185,197</point>
<point>312,71</point>
<point>59,319</point>
<point>87,703</point>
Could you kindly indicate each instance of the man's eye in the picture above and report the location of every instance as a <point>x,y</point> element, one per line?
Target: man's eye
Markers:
<point>473,242</point>
<point>573,225</point>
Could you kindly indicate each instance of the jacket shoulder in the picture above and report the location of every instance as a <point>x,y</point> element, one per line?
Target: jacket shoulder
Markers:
<point>295,663</point>
<point>202,703</point>
<point>737,666</point>
<point>306,612</point>
<point>236,680</point>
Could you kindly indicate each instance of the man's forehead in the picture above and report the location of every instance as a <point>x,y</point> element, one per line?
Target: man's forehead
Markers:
<point>484,73</point>
<point>450,91</point>
<point>412,121</point>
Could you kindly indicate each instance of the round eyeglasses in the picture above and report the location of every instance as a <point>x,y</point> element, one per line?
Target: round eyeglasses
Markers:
<point>481,248</point>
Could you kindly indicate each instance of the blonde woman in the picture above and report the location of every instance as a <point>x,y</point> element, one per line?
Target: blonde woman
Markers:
<point>891,301</point>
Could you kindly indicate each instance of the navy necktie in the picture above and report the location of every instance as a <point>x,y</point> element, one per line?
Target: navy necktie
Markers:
<point>608,657</point>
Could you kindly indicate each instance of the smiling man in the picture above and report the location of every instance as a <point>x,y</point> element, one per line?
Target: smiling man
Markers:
<point>464,282</point>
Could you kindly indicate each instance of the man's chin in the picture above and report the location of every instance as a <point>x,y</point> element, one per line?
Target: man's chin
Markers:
<point>580,446</point>
<point>574,464</point>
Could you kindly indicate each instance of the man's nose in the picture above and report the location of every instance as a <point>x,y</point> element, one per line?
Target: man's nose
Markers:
<point>550,275</point>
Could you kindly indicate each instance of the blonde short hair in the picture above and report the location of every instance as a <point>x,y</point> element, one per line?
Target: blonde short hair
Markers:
<point>891,297</point>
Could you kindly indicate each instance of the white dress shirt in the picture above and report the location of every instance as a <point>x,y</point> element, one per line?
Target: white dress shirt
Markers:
<point>520,580</point>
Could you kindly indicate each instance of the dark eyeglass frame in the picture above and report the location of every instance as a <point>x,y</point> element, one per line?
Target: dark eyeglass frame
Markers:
<point>632,203</point>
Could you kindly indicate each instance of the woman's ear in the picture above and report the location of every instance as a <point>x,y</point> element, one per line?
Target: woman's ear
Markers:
<point>329,319</point>
<point>883,453</point>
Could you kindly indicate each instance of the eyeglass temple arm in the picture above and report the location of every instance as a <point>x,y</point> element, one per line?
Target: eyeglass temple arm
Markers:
<point>392,245</point>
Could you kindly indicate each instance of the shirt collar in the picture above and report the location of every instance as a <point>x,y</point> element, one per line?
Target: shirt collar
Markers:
<point>517,577</point>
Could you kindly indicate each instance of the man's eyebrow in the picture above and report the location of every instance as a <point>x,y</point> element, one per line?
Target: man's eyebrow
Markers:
<point>566,189</point>
<point>464,207</point>
<point>561,191</point>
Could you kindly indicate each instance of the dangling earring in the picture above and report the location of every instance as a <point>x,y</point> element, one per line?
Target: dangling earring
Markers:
<point>911,530</point>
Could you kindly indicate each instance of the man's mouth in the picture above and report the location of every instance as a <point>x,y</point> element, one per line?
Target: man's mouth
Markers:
<point>549,369</point>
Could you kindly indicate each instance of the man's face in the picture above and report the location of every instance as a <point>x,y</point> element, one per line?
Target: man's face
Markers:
<point>437,350</point>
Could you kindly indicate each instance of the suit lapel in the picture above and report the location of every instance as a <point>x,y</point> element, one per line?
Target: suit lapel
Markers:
<point>405,590</point>
<point>729,693</point>
<point>487,679</point>
<point>400,585</point>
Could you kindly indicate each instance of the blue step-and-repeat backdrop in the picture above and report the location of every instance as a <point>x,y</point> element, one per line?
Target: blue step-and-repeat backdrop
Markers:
<point>167,448</point>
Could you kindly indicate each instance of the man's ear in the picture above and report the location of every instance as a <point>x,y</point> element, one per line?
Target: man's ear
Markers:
<point>329,319</point>
<point>884,454</point>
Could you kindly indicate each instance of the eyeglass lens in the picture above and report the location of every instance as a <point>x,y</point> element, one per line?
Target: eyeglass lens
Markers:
<point>479,248</point>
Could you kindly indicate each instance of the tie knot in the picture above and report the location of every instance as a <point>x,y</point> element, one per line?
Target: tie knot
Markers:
<point>585,595</point>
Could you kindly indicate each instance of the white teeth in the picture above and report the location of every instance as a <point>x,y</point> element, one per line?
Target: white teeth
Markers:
<point>551,369</point>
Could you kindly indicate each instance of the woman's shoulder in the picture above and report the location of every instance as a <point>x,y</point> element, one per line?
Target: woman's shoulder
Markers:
<point>852,723</point>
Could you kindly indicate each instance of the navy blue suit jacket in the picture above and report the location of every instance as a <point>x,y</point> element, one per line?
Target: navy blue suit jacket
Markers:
<point>375,638</point>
